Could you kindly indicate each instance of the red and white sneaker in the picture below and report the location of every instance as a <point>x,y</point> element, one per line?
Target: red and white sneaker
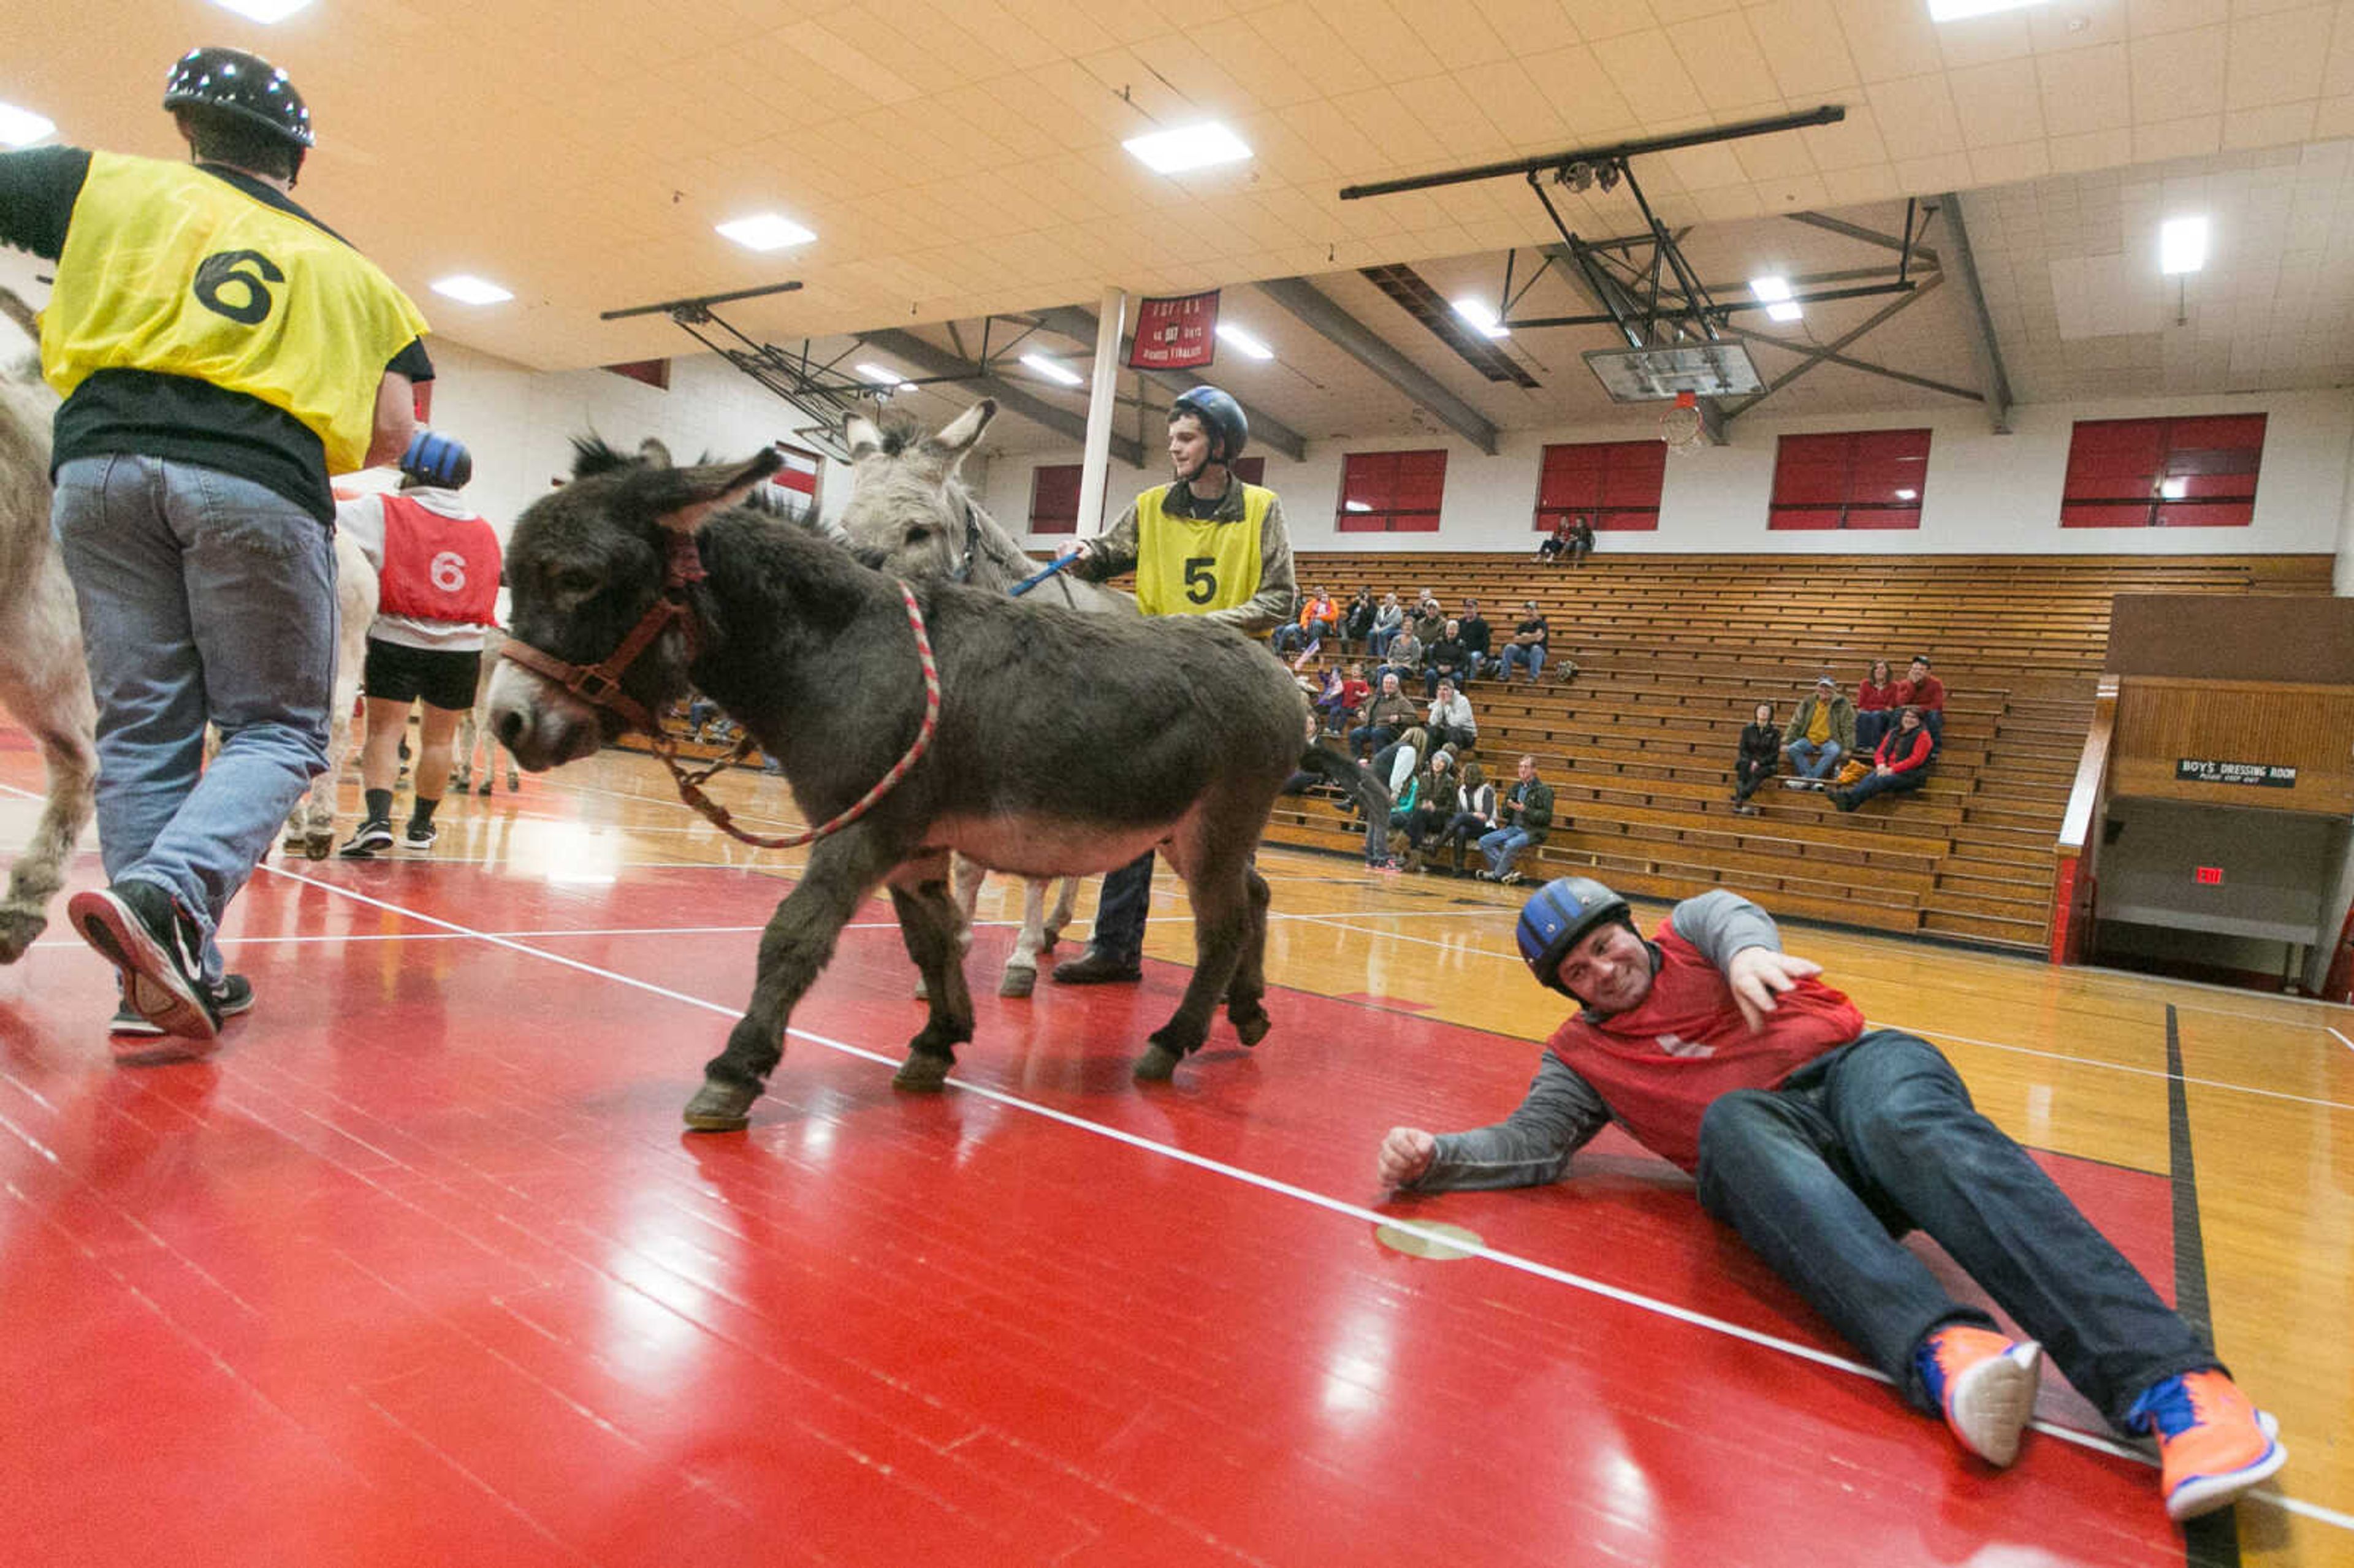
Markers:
<point>1984,1384</point>
<point>2213,1442</point>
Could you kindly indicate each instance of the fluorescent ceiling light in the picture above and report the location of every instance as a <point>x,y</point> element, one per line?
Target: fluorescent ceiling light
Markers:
<point>2182,245</point>
<point>1241,342</point>
<point>1188,147</point>
<point>22,127</point>
<point>765,231</point>
<point>2173,489</point>
<point>1775,291</point>
<point>1477,312</point>
<point>471,290</point>
<point>1052,371</point>
<point>1908,495</point>
<point>882,376</point>
<point>263,11</point>
<point>1963,10</point>
<point>1356,506</point>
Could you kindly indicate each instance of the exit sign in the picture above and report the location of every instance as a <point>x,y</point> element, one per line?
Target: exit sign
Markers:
<point>2208,876</point>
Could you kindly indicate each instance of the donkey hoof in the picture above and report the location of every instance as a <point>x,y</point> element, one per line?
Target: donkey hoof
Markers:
<point>721,1108</point>
<point>921,992</point>
<point>1253,1029</point>
<point>318,846</point>
<point>1017,982</point>
<point>1156,1065</point>
<point>17,930</point>
<point>921,1074</point>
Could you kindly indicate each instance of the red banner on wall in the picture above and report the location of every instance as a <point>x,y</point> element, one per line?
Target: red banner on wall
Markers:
<point>1176,335</point>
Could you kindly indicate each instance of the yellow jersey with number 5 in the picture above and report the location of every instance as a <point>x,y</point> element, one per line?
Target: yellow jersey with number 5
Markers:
<point>1191,565</point>
<point>169,269</point>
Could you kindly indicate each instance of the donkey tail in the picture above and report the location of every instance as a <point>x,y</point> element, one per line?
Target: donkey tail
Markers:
<point>1352,775</point>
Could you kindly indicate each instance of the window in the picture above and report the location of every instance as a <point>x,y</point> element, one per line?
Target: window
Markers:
<point>1856,479</point>
<point>1054,498</point>
<point>1391,492</point>
<point>2163,474</point>
<point>1614,484</point>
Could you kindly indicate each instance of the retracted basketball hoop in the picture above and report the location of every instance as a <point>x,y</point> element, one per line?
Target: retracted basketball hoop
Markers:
<point>1681,426</point>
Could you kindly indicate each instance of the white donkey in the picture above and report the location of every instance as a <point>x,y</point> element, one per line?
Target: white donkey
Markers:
<point>44,683</point>
<point>311,830</point>
<point>911,516</point>
<point>474,729</point>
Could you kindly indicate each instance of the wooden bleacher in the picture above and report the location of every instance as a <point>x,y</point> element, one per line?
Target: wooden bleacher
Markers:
<point>1675,650</point>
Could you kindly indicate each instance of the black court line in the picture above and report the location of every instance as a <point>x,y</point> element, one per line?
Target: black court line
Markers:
<point>2210,1541</point>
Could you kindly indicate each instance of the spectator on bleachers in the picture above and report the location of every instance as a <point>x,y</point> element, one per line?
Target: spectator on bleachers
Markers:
<point>1475,815</point>
<point>1555,545</point>
<point>1821,733</point>
<point>1761,750</point>
<point>1527,648</point>
<point>1386,718</point>
<point>1581,540</point>
<point>1387,620</point>
<point>1523,817</point>
<point>1875,705</point>
<point>1450,721</point>
<point>1901,762</point>
<point>1446,660</point>
<point>1435,794</point>
<point>1922,690</point>
<point>1357,619</point>
<point>1395,765</point>
<point>1340,709</point>
<point>1428,621</point>
<point>1317,620</point>
<point>1406,656</point>
<point>1478,637</point>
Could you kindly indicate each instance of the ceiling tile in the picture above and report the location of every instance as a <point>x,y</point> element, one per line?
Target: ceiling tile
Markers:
<point>2179,74</point>
<point>2279,58</point>
<point>2002,103</point>
<point>1644,69</point>
<point>2177,138</point>
<point>1580,92</point>
<point>1916,116</point>
<point>1804,47</point>
<point>2085,89</point>
<point>1724,61</point>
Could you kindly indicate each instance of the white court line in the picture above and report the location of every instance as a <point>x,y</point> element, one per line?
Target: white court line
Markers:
<point>1316,1200</point>
<point>2341,1039</point>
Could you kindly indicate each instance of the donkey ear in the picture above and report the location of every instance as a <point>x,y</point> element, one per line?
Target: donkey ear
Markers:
<point>707,488</point>
<point>956,440</point>
<point>859,434</point>
<point>652,453</point>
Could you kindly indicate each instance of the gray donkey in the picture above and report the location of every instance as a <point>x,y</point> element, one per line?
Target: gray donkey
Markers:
<point>1064,743</point>
<point>43,680</point>
<point>910,514</point>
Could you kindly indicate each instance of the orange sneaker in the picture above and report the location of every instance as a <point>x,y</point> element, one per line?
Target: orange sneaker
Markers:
<point>1985,1384</point>
<point>2212,1443</point>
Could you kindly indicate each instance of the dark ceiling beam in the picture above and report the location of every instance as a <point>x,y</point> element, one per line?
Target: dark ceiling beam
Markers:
<point>1818,351</point>
<point>939,362</point>
<point>1616,152</point>
<point>1079,324</point>
<point>1984,349</point>
<point>1869,236</point>
<point>1815,356</point>
<point>1361,344</point>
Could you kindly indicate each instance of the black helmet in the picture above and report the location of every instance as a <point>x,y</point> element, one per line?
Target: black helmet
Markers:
<point>241,84</point>
<point>1221,416</point>
<point>1558,916</point>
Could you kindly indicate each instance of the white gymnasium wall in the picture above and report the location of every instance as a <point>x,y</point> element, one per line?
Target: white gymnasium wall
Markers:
<point>1985,493</point>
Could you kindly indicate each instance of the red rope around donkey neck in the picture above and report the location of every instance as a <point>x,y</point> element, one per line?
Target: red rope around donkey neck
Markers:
<point>690,785</point>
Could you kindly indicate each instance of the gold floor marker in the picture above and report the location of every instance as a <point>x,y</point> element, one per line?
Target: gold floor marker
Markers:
<point>1421,1241</point>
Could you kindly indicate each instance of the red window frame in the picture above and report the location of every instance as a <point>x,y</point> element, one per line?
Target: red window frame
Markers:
<point>1849,479</point>
<point>1391,492</point>
<point>1614,484</point>
<point>2120,472</point>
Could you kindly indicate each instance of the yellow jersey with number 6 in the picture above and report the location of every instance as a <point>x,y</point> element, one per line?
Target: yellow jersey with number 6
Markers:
<point>1191,565</point>
<point>169,269</point>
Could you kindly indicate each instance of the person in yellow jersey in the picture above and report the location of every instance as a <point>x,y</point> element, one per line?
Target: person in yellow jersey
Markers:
<point>220,353</point>
<point>1206,545</point>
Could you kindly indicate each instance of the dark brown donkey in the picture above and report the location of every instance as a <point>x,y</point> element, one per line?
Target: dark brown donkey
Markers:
<point>1064,743</point>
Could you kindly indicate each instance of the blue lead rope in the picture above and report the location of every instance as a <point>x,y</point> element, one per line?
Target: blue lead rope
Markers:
<point>1051,567</point>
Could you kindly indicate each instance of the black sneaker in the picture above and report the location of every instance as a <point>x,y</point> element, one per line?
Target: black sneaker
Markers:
<point>375,835</point>
<point>1095,967</point>
<point>232,996</point>
<point>419,836</point>
<point>141,929</point>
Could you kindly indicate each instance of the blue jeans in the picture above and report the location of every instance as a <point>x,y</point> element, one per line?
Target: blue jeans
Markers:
<point>1871,723</point>
<point>1820,1176</point>
<point>1878,783</point>
<point>1810,761</point>
<point>202,596</point>
<point>1502,846</point>
<point>1531,654</point>
<point>1120,912</point>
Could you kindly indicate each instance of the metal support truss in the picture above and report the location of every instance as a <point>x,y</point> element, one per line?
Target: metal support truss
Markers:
<point>1983,348</point>
<point>940,364</point>
<point>816,389</point>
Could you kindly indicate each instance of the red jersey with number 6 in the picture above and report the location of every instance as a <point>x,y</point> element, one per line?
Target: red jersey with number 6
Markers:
<point>439,569</point>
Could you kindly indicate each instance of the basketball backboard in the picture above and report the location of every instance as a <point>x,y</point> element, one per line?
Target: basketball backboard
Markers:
<point>1657,375</point>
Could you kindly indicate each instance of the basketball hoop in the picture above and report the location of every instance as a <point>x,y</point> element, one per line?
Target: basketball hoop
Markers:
<point>1681,427</point>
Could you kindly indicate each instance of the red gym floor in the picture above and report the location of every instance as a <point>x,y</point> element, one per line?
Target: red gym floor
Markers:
<point>421,1268</point>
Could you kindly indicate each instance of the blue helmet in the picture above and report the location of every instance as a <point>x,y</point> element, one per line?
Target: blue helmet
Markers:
<point>1221,416</point>
<point>1558,916</point>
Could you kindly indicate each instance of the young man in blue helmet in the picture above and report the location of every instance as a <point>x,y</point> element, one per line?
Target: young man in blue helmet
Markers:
<point>1821,1143</point>
<point>1206,544</point>
<point>220,353</point>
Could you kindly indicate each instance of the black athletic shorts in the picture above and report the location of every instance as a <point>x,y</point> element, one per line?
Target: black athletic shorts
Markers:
<point>401,674</point>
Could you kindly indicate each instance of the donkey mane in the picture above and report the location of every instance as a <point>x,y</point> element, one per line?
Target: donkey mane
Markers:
<point>900,431</point>
<point>592,455</point>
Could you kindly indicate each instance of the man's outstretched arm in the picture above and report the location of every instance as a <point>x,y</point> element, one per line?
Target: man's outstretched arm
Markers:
<point>1527,1149</point>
